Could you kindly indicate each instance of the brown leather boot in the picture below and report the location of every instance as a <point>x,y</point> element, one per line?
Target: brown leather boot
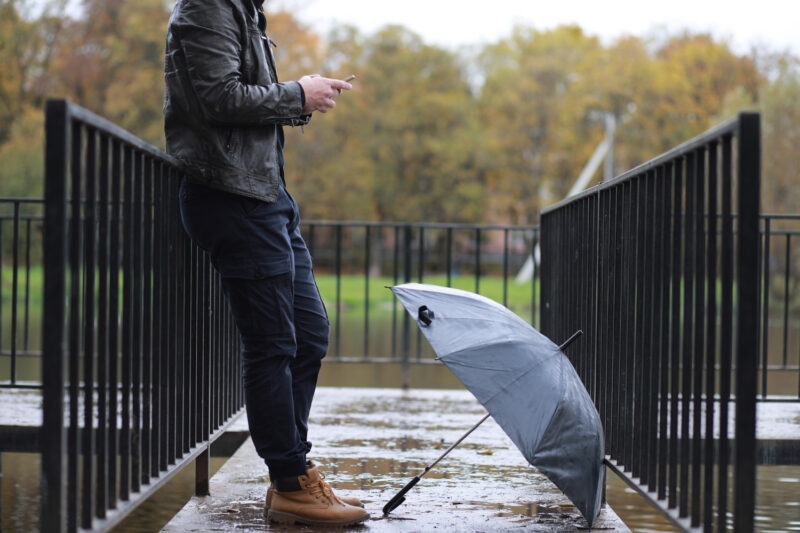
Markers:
<point>349,500</point>
<point>311,501</point>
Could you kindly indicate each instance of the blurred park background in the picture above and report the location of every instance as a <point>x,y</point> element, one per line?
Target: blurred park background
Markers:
<point>488,133</point>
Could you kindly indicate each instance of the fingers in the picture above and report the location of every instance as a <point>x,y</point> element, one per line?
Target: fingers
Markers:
<point>321,92</point>
<point>327,105</point>
<point>340,85</point>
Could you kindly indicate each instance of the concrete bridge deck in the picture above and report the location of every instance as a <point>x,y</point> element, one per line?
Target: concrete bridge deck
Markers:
<point>371,442</point>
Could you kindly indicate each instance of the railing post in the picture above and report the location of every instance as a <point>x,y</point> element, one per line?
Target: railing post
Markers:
<point>201,474</point>
<point>749,163</point>
<point>54,446</point>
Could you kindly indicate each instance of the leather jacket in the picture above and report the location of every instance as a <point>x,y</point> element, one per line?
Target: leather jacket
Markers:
<point>223,105</point>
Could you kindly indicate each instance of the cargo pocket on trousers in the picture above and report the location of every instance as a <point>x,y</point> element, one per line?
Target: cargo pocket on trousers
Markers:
<point>261,298</point>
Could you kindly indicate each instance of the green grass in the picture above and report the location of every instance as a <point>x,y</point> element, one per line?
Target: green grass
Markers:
<point>352,291</point>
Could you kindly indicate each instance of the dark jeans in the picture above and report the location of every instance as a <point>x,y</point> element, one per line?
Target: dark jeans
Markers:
<point>266,275</point>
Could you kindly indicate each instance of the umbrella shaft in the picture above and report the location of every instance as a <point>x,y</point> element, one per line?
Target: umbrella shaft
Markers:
<point>456,443</point>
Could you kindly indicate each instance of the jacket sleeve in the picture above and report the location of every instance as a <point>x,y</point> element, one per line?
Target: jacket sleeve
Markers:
<point>210,38</point>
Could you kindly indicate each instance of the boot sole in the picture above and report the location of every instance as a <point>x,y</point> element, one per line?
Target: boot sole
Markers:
<point>267,507</point>
<point>280,517</point>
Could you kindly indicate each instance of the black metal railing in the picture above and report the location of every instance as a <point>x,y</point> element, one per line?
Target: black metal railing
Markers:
<point>21,221</point>
<point>141,366</point>
<point>355,261</point>
<point>780,308</point>
<point>365,255</point>
<point>663,279</point>
<point>390,253</point>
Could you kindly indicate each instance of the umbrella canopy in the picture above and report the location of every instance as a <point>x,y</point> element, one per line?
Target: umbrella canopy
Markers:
<point>523,379</point>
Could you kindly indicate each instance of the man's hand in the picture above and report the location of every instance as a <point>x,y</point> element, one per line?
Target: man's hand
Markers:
<point>321,92</point>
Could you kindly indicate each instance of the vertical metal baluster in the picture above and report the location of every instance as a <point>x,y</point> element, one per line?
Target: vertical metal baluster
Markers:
<point>2,247</point>
<point>76,267</point>
<point>27,305</point>
<point>786,302</point>
<point>449,259</point>
<point>675,325</point>
<point>193,327</point>
<point>14,291</point>
<point>477,260</point>
<point>367,252</point>
<point>158,430</point>
<point>420,275</point>
<point>179,268</point>
<point>113,325</point>
<point>699,338</point>
<point>147,349</point>
<point>544,276</point>
<point>127,324</point>
<point>711,339</point>
<point>627,346</point>
<point>690,247</point>
<point>406,340</point>
<point>396,277</point>
<point>615,346</point>
<point>101,489</point>
<point>662,261</point>
<point>338,345</point>
<point>147,324</point>
<point>638,329</point>
<point>505,267</point>
<point>602,314</point>
<point>765,294</point>
<point>725,332</point>
<point>137,349</point>
<point>651,337</point>
<point>536,274</point>
<point>594,224</point>
<point>208,347</point>
<point>89,244</point>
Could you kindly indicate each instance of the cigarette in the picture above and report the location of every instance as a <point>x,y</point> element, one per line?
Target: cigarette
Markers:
<point>350,77</point>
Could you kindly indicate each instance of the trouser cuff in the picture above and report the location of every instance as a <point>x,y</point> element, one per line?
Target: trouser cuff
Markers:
<point>287,469</point>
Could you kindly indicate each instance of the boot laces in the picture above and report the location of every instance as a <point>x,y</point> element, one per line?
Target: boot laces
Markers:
<point>321,488</point>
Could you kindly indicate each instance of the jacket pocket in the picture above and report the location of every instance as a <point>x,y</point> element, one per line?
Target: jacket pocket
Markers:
<point>230,143</point>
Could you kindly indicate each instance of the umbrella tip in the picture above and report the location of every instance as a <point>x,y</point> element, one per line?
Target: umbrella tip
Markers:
<point>571,340</point>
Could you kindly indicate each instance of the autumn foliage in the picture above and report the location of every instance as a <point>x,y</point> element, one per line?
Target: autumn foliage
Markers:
<point>484,134</point>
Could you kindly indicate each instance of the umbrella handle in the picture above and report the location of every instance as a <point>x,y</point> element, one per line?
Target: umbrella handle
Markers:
<point>395,502</point>
<point>399,498</point>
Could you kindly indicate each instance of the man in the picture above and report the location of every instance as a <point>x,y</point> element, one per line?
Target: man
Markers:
<point>224,111</point>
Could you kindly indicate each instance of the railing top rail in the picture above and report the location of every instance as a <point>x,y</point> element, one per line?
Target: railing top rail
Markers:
<point>773,216</point>
<point>97,122</point>
<point>416,225</point>
<point>13,200</point>
<point>727,128</point>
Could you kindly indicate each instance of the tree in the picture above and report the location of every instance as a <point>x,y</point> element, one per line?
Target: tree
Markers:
<point>26,49</point>
<point>113,63</point>
<point>21,157</point>
<point>533,108</point>
<point>402,145</point>
<point>779,104</point>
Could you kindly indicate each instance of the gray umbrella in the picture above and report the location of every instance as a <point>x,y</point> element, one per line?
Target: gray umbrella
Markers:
<point>525,382</point>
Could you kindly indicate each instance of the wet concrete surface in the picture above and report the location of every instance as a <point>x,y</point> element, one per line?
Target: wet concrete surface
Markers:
<point>371,442</point>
